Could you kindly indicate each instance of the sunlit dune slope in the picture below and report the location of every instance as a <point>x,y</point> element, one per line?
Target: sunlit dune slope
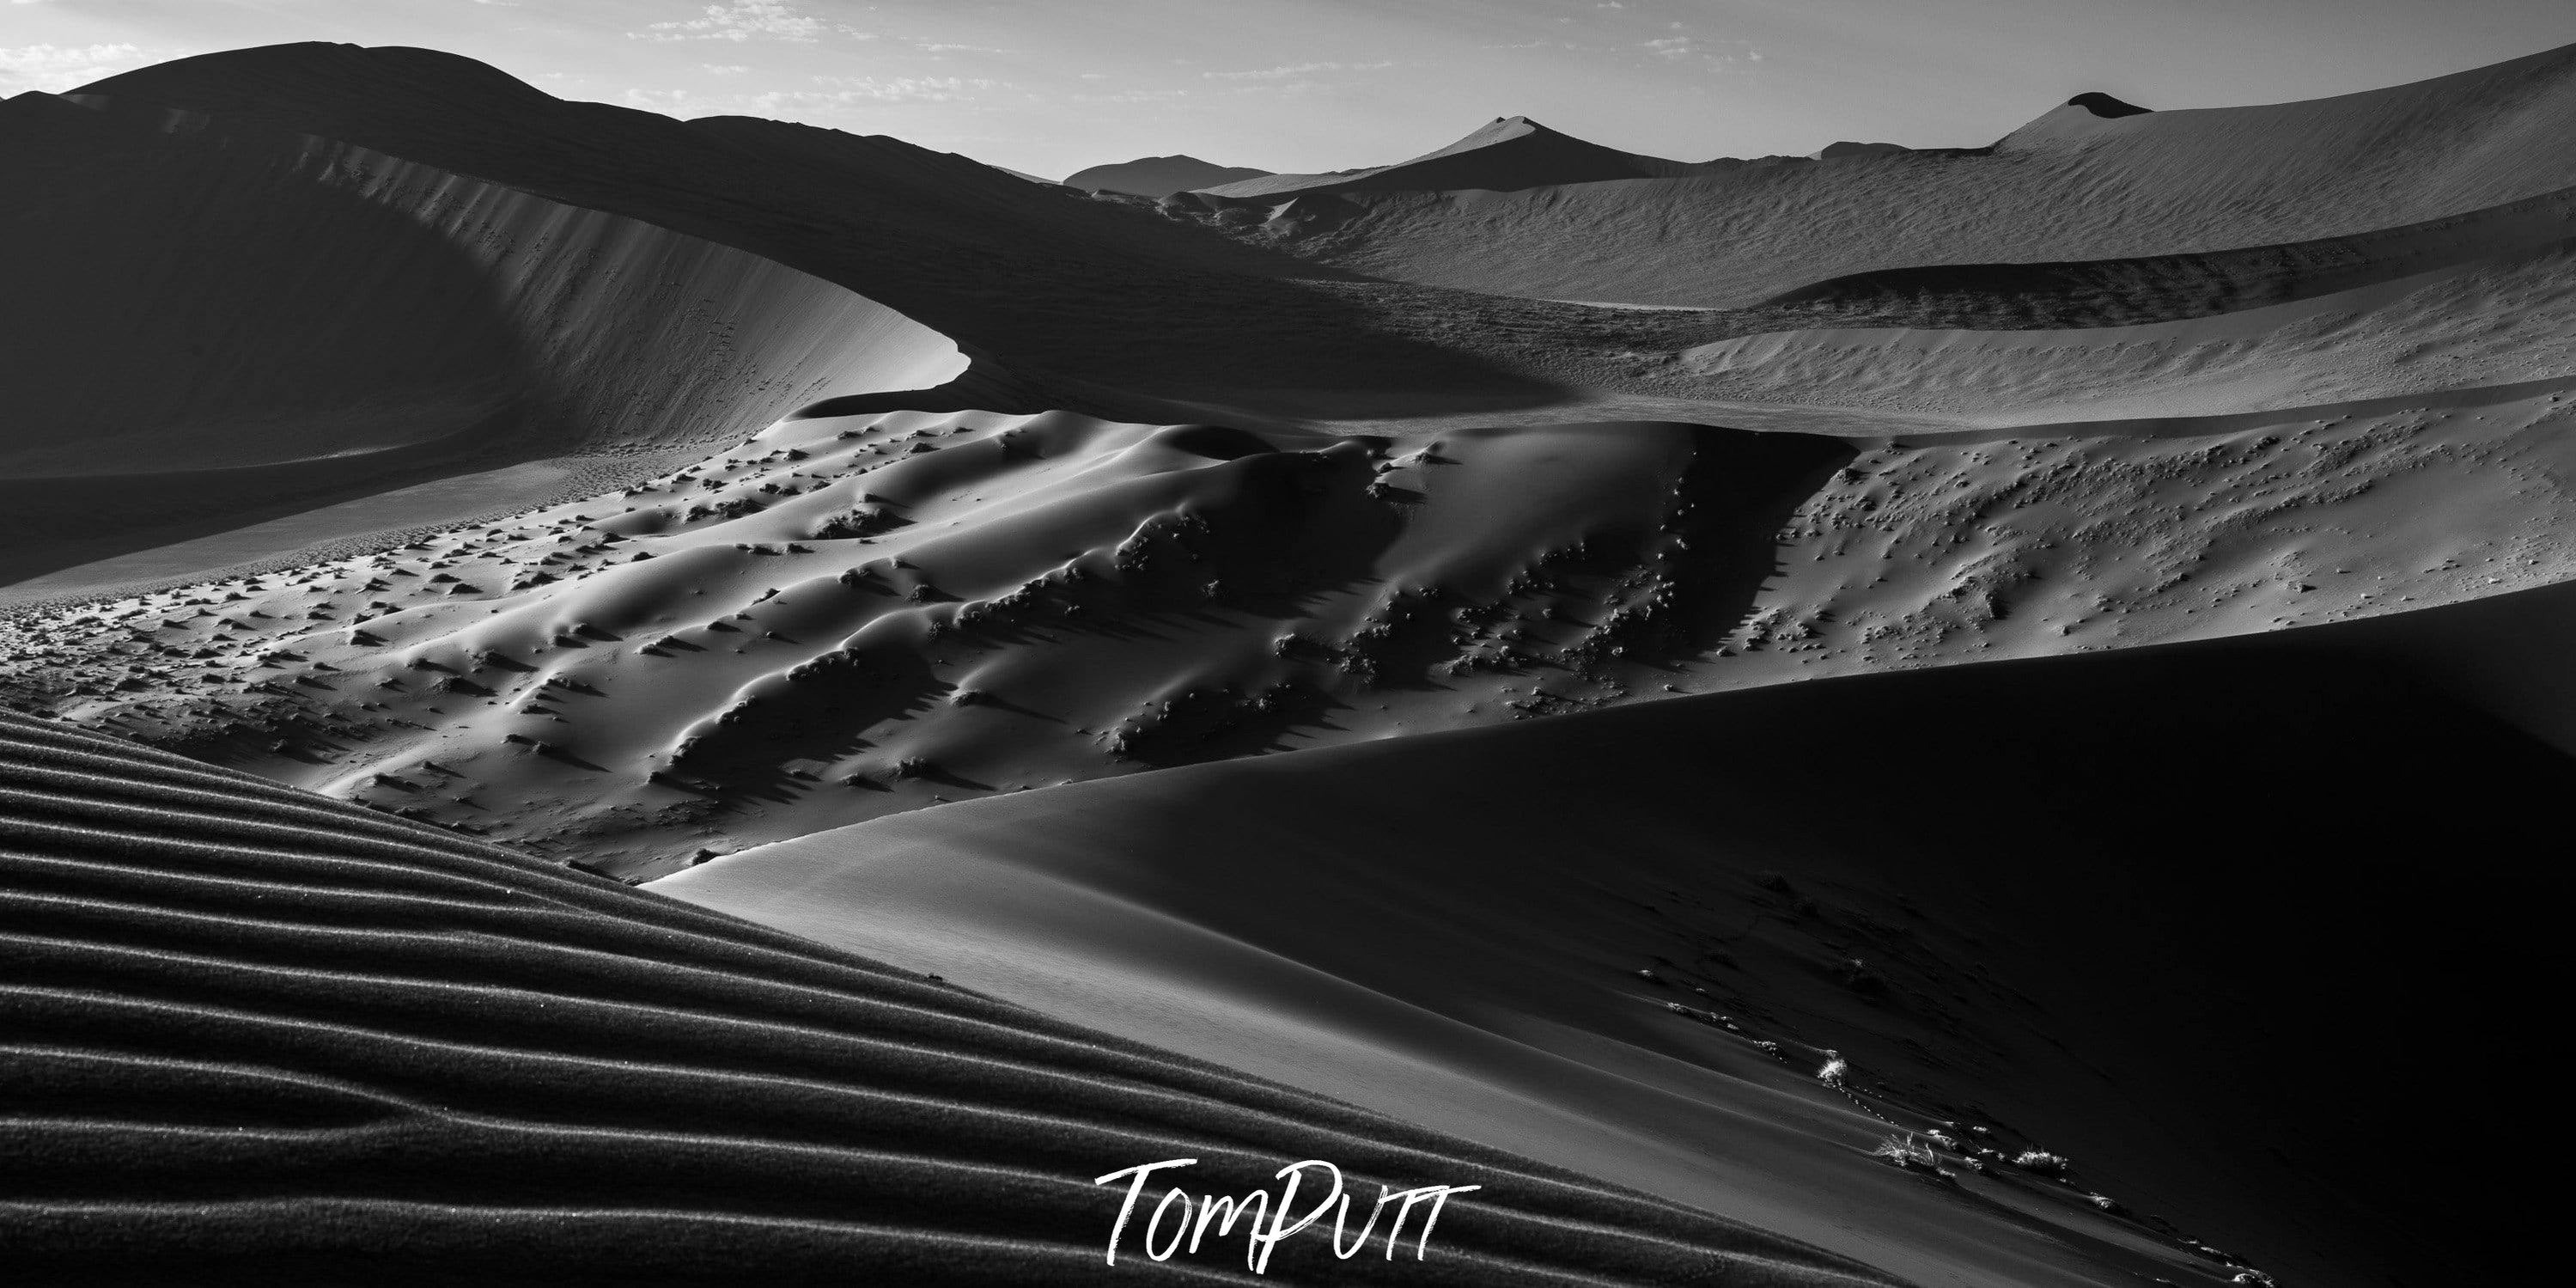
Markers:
<point>855,615</point>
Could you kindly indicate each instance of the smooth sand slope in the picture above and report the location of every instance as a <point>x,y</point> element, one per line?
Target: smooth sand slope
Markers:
<point>238,324</point>
<point>2485,328</point>
<point>2071,185</point>
<point>255,1030</point>
<point>2244,929</point>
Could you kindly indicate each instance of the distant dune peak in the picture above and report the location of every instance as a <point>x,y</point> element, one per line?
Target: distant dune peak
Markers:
<point>1507,154</point>
<point>2087,116</point>
<point>2103,105</point>
<point>1503,129</point>
<point>1160,176</point>
<point>1848,148</point>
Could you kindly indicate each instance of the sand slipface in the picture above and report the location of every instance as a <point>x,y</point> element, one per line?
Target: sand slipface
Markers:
<point>244,320</point>
<point>931,564</point>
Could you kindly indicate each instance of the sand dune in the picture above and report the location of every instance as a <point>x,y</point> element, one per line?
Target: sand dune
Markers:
<point>1508,155</point>
<point>1090,303</point>
<point>881,546</point>
<point>2118,908</point>
<point>2023,295</point>
<point>241,322</point>
<point>262,1030</point>
<point>1159,176</point>
<point>2500,320</point>
<point>852,616</point>
<point>2071,185</point>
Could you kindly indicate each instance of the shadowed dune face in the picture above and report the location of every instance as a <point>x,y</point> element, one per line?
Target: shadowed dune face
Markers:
<point>257,1029</point>
<point>238,322</point>
<point>2212,920</point>
<point>1099,303</point>
<point>1158,176</point>
<point>317,323</point>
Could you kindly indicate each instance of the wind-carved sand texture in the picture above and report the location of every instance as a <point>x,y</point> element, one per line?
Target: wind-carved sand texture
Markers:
<point>1353,629</point>
<point>259,1029</point>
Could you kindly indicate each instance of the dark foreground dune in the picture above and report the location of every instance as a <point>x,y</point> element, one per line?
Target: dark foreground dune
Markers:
<point>2251,929</point>
<point>253,1033</point>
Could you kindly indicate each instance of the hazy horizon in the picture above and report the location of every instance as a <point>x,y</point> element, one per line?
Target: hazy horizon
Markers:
<point>1299,85</point>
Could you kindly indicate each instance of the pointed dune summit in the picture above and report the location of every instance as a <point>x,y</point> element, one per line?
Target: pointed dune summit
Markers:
<point>1508,155</point>
<point>1160,176</point>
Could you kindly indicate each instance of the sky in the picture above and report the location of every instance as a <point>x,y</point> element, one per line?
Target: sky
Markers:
<point>1051,86</point>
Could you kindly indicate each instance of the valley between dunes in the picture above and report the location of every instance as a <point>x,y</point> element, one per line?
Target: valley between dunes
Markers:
<point>679,701</point>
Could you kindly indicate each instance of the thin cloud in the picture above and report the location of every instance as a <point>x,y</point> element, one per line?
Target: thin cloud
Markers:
<point>1295,69</point>
<point>741,20</point>
<point>840,94</point>
<point>906,89</point>
<point>55,68</point>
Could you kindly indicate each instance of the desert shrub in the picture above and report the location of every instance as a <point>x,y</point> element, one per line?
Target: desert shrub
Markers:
<point>1907,1152</point>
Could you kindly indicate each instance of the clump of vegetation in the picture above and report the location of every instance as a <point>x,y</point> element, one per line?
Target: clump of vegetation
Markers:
<point>1907,1152</point>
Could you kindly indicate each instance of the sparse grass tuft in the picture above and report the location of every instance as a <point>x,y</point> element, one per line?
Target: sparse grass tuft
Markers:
<point>1906,1152</point>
